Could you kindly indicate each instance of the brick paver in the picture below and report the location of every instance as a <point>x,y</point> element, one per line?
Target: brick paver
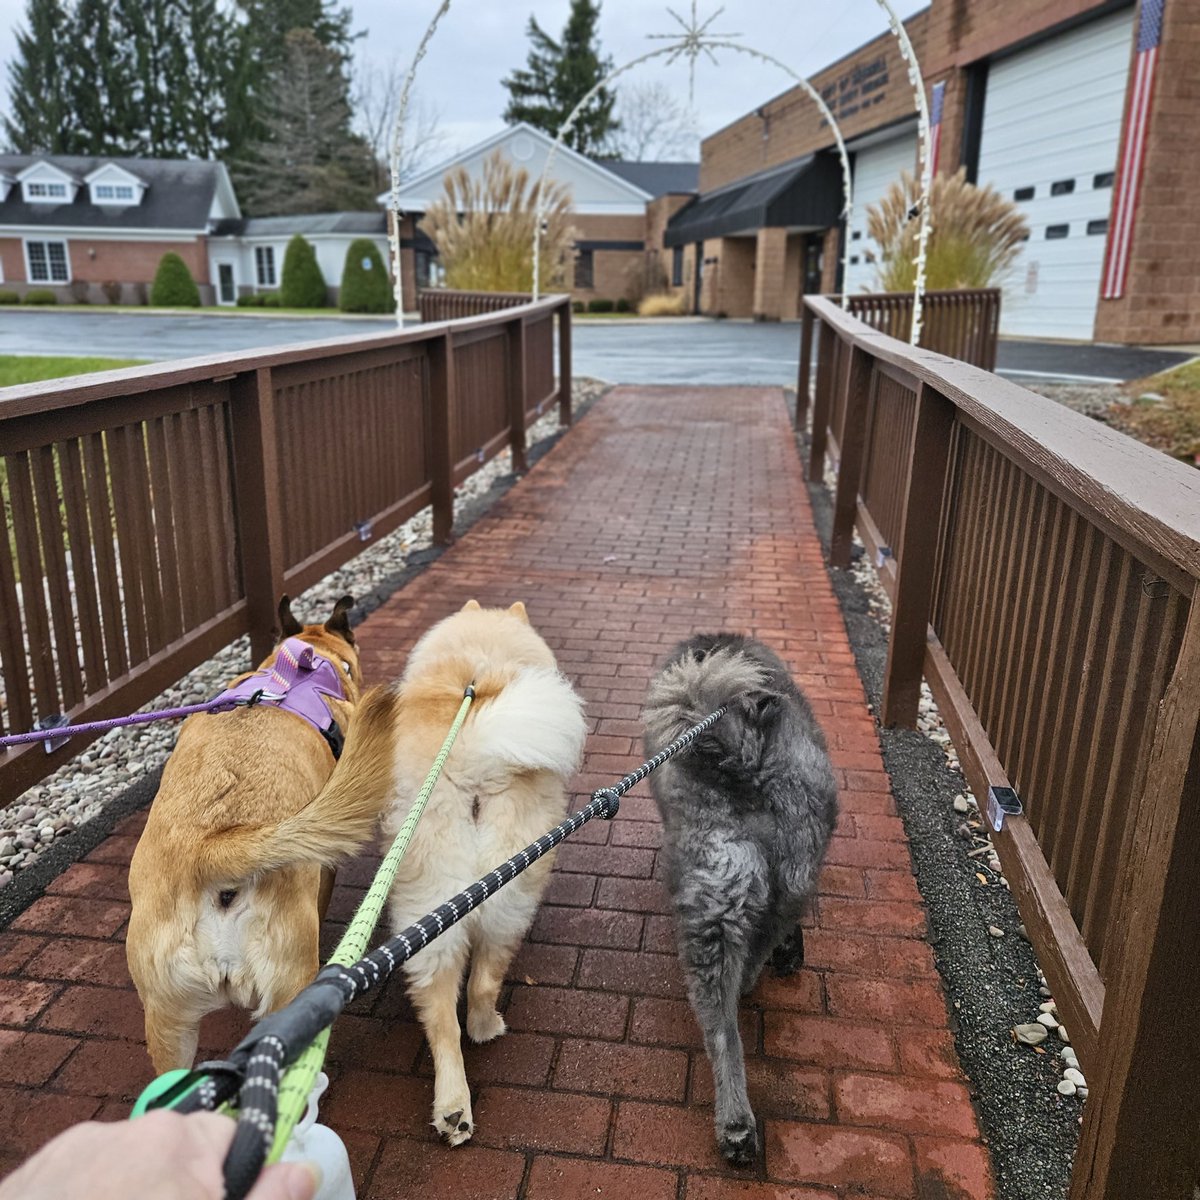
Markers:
<point>665,512</point>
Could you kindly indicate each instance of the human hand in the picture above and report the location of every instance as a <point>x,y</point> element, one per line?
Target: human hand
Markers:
<point>163,1155</point>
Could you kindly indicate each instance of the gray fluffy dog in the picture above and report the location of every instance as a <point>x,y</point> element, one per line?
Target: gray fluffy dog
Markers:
<point>747,812</point>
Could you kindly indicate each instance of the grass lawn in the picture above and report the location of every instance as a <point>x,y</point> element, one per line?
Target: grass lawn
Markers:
<point>16,368</point>
<point>209,310</point>
<point>1171,424</point>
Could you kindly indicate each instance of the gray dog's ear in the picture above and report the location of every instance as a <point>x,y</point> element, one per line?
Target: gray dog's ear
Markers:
<point>339,620</point>
<point>288,625</point>
<point>761,707</point>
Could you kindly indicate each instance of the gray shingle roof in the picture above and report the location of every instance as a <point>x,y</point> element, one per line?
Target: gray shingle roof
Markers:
<point>179,194</point>
<point>657,178</point>
<point>367,223</point>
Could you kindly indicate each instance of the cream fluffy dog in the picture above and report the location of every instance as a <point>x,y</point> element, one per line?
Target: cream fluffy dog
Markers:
<point>503,786</point>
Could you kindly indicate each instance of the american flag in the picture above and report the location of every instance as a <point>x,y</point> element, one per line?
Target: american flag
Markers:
<point>935,124</point>
<point>1133,150</point>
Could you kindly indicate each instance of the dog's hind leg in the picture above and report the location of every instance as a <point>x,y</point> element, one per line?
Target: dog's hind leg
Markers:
<point>434,982</point>
<point>489,965</point>
<point>788,957</point>
<point>171,1037</point>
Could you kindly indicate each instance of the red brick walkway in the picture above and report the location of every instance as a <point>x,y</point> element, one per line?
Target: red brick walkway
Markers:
<point>667,511</point>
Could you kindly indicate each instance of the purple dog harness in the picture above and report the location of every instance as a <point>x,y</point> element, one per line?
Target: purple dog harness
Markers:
<point>296,681</point>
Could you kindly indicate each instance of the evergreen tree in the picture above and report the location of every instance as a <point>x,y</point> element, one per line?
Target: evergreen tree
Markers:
<point>173,285</point>
<point>38,84</point>
<point>557,77</point>
<point>365,287</point>
<point>309,159</point>
<point>301,285</point>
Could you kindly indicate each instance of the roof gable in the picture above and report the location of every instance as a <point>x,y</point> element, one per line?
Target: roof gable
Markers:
<point>594,188</point>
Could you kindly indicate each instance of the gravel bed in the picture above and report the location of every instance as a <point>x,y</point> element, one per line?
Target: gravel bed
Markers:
<point>1015,1052</point>
<point>83,788</point>
<point>1090,399</point>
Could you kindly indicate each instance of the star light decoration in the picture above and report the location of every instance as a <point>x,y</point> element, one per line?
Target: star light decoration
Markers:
<point>693,41</point>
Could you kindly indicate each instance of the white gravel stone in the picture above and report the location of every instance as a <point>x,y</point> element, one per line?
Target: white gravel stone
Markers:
<point>1049,1020</point>
<point>995,931</point>
<point>1066,1088</point>
<point>1031,1035</point>
<point>1075,1076</point>
<point>961,804</point>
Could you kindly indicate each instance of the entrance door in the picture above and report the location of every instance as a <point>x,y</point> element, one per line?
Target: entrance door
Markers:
<point>226,284</point>
<point>813,245</point>
<point>697,274</point>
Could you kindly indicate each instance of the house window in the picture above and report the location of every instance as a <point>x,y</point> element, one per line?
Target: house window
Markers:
<point>47,262</point>
<point>584,269</point>
<point>677,267</point>
<point>264,265</point>
<point>1057,231</point>
<point>112,193</point>
<point>1024,193</point>
<point>1062,187</point>
<point>1103,179</point>
<point>45,191</point>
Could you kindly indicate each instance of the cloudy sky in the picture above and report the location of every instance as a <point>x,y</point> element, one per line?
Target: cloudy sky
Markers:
<point>480,41</point>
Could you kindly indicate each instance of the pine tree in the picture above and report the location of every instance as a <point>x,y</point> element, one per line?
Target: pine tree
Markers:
<point>309,160</point>
<point>558,75</point>
<point>365,286</point>
<point>301,285</point>
<point>38,85</point>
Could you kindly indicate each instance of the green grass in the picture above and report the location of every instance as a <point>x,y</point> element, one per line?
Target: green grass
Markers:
<point>212,310</point>
<point>16,368</point>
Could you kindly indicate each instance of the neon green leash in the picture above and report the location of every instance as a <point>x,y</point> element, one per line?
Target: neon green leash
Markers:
<point>302,1074</point>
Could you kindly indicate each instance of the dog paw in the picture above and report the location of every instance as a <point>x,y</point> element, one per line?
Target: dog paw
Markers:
<point>455,1126</point>
<point>485,1025</point>
<point>738,1141</point>
<point>788,956</point>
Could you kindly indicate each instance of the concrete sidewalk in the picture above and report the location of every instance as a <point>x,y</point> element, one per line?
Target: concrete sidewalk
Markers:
<point>668,510</point>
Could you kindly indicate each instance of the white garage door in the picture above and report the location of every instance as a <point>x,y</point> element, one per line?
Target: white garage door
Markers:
<point>876,168</point>
<point>1051,129</point>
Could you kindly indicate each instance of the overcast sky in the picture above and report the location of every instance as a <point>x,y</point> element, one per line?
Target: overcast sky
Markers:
<point>480,41</point>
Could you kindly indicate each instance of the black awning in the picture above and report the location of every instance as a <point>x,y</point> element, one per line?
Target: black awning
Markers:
<point>806,191</point>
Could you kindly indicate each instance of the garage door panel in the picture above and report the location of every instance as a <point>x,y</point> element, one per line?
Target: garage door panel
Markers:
<point>876,168</point>
<point>1052,114</point>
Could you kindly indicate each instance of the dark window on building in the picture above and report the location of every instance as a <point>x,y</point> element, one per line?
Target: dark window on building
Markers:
<point>1062,187</point>
<point>854,260</point>
<point>677,267</point>
<point>1057,231</point>
<point>1025,193</point>
<point>584,269</point>
<point>856,235</point>
<point>1098,226</point>
<point>264,265</point>
<point>1103,180</point>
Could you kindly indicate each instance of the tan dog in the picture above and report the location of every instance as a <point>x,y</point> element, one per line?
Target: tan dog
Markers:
<point>227,882</point>
<point>503,786</point>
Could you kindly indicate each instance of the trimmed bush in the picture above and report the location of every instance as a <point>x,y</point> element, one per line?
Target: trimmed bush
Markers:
<point>173,285</point>
<point>622,305</point>
<point>600,306</point>
<point>271,300</point>
<point>9,297</point>
<point>41,296</point>
<point>366,287</point>
<point>302,285</point>
<point>250,300</point>
<point>578,306</point>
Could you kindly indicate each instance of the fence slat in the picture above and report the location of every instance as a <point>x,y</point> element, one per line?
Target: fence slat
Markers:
<point>856,386</point>
<point>33,594</point>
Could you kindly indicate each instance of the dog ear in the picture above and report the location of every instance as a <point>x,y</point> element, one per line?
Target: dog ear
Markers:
<point>762,707</point>
<point>339,620</point>
<point>288,625</point>
<point>471,606</point>
<point>518,611</point>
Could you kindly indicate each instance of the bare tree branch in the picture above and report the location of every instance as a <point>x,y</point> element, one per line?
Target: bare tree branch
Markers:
<point>654,125</point>
<point>376,94</point>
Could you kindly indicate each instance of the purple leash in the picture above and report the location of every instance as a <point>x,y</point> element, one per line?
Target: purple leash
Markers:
<point>297,666</point>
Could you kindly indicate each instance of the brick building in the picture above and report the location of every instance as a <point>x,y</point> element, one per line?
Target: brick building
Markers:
<point>1036,103</point>
<point>609,202</point>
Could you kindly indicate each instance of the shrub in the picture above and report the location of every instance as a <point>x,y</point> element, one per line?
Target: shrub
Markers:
<point>663,304</point>
<point>112,290</point>
<point>249,300</point>
<point>173,285</point>
<point>578,306</point>
<point>366,287</point>
<point>975,234</point>
<point>271,300</point>
<point>302,284</point>
<point>623,305</point>
<point>484,230</point>
<point>600,306</point>
<point>41,296</point>
<point>9,297</point>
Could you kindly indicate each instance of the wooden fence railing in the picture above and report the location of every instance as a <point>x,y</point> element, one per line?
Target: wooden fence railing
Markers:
<point>963,324</point>
<point>1044,575</point>
<point>445,304</point>
<point>155,514</point>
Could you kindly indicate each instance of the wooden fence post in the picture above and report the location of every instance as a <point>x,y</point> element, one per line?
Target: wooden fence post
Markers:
<point>564,363</point>
<point>852,444</point>
<point>827,347</point>
<point>804,379</point>
<point>516,393</point>
<point>1139,1126</point>
<point>928,454</point>
<point>441,425</point>
<point>257,504</point>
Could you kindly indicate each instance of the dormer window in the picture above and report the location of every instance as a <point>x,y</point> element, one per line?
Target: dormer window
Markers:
<point>113,193</point>
<point>43,192</point>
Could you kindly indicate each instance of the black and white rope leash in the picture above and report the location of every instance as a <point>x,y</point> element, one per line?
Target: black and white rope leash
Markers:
<point>255,1066</point>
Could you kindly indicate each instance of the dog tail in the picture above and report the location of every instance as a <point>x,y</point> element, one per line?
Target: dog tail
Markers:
<point>343,816</point>
<point>693,684</point>
<point>534,722</point>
